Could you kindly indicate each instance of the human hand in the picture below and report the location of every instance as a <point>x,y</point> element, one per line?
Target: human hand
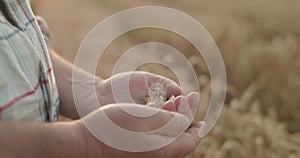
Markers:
<point>184,135</point>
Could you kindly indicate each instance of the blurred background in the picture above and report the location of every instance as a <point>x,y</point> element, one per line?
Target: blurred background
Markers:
<point>260,44</point>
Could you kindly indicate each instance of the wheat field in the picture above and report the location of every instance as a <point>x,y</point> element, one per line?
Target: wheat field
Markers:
<point>260,44</point>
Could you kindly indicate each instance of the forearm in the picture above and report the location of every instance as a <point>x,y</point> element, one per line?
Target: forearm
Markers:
<point>63,72</point>
<point>36,140</point>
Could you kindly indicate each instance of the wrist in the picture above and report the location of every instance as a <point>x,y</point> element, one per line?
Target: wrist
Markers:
<point>80,143</point>
<point>69,139</point>
<point>88,146</point>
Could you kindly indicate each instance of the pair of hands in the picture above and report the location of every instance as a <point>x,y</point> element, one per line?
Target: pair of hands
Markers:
<point>181,134</point>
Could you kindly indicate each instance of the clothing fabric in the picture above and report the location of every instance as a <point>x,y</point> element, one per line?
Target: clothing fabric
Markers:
<point>28,90</point>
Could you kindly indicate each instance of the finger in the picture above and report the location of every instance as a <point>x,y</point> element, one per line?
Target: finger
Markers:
<point>193,100</point>
<point>197,133</point>
<point>177,101</point>
<point>172,89</point>
<point>175,127</point>
<point>186,143</point>
<point>170,106</point>
<point>184,107</point>
<point>139,88</point>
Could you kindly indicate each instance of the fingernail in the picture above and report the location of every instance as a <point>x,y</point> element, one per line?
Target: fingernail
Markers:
<point>202,129</point>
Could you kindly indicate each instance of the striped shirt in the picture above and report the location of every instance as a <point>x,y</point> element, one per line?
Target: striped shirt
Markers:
<point>28,90</point>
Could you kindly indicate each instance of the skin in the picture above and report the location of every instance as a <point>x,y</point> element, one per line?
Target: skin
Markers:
<point>72,139</point>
